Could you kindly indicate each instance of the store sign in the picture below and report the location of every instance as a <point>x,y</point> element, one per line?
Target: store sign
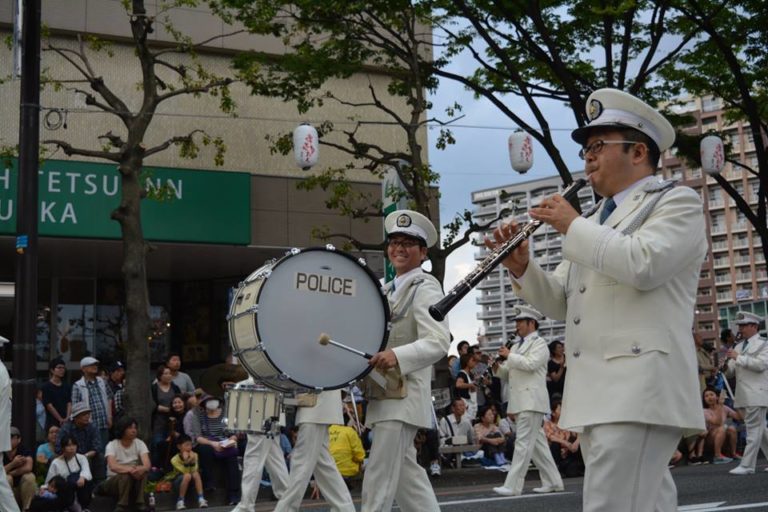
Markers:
<point>183,205</point>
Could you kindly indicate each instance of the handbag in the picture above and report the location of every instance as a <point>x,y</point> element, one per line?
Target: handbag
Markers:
<point>74,476</point>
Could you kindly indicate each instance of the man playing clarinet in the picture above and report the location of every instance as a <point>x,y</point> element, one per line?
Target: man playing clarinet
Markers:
<point>626,289</point>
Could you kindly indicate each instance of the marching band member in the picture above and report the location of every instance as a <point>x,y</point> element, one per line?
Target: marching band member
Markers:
<point>416,342</point>
<point>311,454</point>
<point>7,500</point>
<point>526,370</point>
<point>749,361</point>
<point>626,289</point>
<point>261,451</point>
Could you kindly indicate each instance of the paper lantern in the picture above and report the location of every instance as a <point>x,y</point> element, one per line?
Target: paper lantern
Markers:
<point>520,151</point>
<point>306,147</point>
<point>712,154</point>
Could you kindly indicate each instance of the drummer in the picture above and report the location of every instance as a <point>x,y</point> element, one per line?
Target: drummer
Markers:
<point>416,342</point>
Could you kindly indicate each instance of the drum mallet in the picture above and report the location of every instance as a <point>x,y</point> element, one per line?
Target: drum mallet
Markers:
<point>324,339</point>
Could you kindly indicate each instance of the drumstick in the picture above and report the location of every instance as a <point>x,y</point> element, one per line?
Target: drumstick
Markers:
<point>324,339</point>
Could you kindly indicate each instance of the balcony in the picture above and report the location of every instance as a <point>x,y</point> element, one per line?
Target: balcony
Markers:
<point>714,205</point>
<point>489,298</point>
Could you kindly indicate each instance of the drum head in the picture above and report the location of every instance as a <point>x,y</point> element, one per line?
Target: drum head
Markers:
<point>321,291</point>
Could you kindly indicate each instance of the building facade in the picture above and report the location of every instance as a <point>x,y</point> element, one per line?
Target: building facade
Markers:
<point>212,227</point>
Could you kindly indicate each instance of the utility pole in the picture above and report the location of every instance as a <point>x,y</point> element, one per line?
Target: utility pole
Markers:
<point>24,360</point>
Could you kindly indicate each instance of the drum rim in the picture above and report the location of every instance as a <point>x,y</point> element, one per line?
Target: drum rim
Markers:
<point>382,298</point>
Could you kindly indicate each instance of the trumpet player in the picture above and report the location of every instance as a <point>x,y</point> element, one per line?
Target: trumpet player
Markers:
<point>526,370</point>
<point>749,361</point>
<point>626,289</point>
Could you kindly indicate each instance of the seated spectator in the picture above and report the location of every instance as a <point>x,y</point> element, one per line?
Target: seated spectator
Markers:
<point>47,451</point>
<point>719,433</point>
<point>163,391</point>
<point>491,439</point>
<point>127,467</point>
<point>508,427</point>
<point>556,368</point>
<point>167,448</point>
<point>191,422</point>
<point>458,423</point>
<point>185,471</point>
<point>54,496</point>
<point>346,449</point>
<point>73,467</point>
<point>88,439</point>
<point>564,444</point>
<point>19,465</point>
<point>213,446</point>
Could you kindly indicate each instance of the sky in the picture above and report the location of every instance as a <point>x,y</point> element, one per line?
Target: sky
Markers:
<point>480,160</point>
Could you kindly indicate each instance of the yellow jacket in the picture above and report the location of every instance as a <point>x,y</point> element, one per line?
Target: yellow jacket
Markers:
<point>346,449</point>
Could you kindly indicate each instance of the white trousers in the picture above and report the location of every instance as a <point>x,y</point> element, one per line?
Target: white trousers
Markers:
<point>757,436</point>
<point>393,473</point>
<point>310,455</point>
<point>627,465</point>
<point>7,500</point>
<point>261,451</point>
<point>531,444</point>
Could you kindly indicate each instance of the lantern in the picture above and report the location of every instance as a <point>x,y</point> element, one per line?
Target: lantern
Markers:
<point>520,151</point>
<point>305,146</point>
<point>712,154</point>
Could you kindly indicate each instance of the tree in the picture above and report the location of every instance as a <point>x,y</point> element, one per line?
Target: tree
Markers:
<point>337,39</point>
<point>728,61</point>
<point>167,72</point>
<point>559,51</point>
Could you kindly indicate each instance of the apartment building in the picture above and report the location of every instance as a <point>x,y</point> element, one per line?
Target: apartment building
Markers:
<point>496,298</point>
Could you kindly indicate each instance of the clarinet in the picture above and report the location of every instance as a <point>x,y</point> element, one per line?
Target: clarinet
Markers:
<point>440,310</point>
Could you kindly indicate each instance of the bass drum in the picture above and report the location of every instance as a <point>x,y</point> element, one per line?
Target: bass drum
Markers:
<point>280,311</point>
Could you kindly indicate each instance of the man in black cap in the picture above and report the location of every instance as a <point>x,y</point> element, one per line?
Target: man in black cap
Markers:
<point>57,395</point>
<point>626,289</point>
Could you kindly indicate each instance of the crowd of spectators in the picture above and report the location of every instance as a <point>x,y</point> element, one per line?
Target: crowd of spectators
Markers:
<point>87,445</point>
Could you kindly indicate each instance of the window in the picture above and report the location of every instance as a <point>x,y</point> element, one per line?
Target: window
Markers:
<point>711,103</point>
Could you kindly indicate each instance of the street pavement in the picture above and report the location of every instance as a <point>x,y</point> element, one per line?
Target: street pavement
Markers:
<point>705,488</point>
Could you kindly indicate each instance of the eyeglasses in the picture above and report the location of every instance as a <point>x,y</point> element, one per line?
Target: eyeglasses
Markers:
<point>597,146</point>
<point>405,243</point>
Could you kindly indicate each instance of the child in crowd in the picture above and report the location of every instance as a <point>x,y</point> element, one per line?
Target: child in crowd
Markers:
<point>54,496</point>
<point>186,469</point>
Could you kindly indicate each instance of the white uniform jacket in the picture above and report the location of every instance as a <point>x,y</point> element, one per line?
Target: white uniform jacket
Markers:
<point>327,410</point>
<point>628,303</point>
<point>751,369</point>
<point>5,409</point>
<point>419,341</point>
<point>526,371</point>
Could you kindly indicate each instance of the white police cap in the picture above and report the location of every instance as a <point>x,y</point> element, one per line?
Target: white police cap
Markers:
<point>411,223</point>
<point>744,318</point>
<point>526,313</point>
<point>612,107</point>
<point>4,340</point>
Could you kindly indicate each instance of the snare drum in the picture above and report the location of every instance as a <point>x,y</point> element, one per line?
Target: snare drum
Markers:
<point>252,409</point>
<point>280,311</point>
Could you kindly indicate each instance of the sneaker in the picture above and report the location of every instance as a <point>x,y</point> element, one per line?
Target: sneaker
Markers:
<point>434,469</point>
<point>694,461</point>
<point>741,470</point>
<point>180,505</point>
<point>722,460</point>
<point>201,503</point>
<point>545,489</point>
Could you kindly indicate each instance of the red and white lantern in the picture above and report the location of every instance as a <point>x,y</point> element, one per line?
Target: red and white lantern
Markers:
<point>712,154</point>
<point>306,147</point>
<point>520,151</point>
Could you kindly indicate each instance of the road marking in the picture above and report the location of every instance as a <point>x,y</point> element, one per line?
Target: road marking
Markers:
<point>717,508</point>
<point>501,498</point>
<point>701,506</point>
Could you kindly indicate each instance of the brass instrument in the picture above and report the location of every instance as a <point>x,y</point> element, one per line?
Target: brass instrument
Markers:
<point>439,310</point>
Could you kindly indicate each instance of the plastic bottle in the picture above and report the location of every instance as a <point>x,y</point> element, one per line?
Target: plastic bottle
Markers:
<point>151,502</point>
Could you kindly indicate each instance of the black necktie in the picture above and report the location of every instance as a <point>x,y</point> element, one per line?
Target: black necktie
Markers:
<point>608,208</point>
